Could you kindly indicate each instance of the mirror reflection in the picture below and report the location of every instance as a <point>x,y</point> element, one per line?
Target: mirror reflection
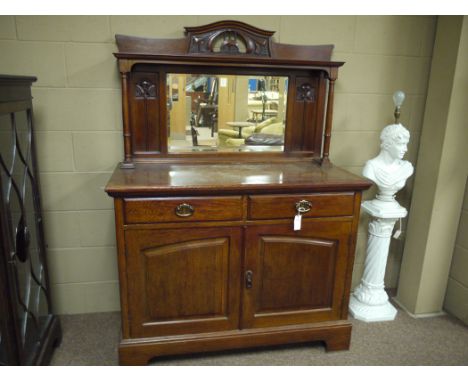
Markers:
<point>226,112</point>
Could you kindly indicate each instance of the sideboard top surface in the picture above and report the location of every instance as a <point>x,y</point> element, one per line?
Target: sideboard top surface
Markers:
<point>166,178</point>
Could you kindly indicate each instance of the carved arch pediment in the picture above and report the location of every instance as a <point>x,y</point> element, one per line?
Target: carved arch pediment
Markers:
<point>229,37</point>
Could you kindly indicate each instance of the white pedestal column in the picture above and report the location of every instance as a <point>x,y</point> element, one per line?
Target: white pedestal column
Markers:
<point>369,302</point>
<point>389,172</point>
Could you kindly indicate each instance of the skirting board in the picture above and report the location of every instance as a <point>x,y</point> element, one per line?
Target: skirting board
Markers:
<point>421,315</point>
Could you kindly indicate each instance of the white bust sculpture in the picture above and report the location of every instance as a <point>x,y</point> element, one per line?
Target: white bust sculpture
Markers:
<point>388,170</point>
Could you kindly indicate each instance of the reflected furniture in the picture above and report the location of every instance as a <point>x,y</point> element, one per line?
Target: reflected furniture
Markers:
<point>231,101</point>
<point>239,126</point>
<point>263,114</point>
<point>207,112</point>
<point>274,129</point>
<point>231,138</point>
<point>223,250</point>
<point>28,329</point>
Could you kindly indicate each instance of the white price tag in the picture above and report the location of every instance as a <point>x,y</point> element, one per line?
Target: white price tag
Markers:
<point>398,232</point>
<point>297,222</point>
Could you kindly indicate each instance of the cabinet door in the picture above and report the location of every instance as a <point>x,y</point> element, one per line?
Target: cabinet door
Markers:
<point>25,271</point>
<point>295,277</point>
<point>182,280</point>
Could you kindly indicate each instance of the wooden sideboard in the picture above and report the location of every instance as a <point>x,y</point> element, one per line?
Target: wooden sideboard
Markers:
<point>209,256</point>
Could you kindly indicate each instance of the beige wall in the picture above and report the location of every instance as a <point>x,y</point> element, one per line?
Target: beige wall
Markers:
<point>456,298</point>
<point>441,174</point>
<point>77,110</point>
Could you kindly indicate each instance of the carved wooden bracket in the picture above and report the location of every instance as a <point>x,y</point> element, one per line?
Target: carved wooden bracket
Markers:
<point>229,37</point>
<point>305,92</point>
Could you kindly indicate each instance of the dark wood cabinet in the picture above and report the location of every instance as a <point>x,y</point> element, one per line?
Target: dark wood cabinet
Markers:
<point>209,257</point>
<point>243,278</point>
<point>28,329</point>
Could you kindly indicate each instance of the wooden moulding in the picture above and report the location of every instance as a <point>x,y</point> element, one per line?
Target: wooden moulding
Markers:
<point>16,88</point>
<point>196,45</point>
<point>336,335</point>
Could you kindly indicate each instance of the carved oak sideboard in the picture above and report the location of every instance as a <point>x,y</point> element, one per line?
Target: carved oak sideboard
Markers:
<point>225,243</point>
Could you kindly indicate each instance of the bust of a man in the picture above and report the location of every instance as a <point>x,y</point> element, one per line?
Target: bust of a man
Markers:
<point>388,170</point>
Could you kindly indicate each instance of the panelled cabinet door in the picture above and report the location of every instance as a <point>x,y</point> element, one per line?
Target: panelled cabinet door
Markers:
<point>183,280</point>
<point>295,277</point>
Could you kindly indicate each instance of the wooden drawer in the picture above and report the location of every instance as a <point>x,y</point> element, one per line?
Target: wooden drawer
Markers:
<point>284,206</point>
<point>159,210</point>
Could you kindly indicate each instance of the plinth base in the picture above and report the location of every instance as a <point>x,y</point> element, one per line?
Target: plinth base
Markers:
<point>371,313</point>
<point>140,351</point>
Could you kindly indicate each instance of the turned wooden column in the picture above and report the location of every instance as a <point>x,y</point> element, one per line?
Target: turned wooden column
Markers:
<point>329,116</point>
<point>128,160</point>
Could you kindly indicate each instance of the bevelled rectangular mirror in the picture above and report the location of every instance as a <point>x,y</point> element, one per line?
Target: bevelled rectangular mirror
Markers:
<point>207,112</point>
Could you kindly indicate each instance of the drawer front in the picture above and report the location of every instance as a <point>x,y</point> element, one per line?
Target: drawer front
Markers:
<point>159,210</point>
<point>284,206</point>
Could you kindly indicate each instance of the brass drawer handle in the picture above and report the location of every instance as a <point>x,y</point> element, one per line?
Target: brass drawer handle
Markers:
<point>184,210</point>
<point>303,206</point>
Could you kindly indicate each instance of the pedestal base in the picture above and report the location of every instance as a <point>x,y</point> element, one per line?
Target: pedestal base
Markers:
<point>388,210</point>
<point>371,313</point>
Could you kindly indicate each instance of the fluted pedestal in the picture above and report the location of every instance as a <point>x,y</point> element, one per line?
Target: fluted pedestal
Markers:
<point>369,302</point>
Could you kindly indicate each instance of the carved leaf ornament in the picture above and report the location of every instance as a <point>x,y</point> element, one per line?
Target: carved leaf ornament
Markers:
<point>145,89</point>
